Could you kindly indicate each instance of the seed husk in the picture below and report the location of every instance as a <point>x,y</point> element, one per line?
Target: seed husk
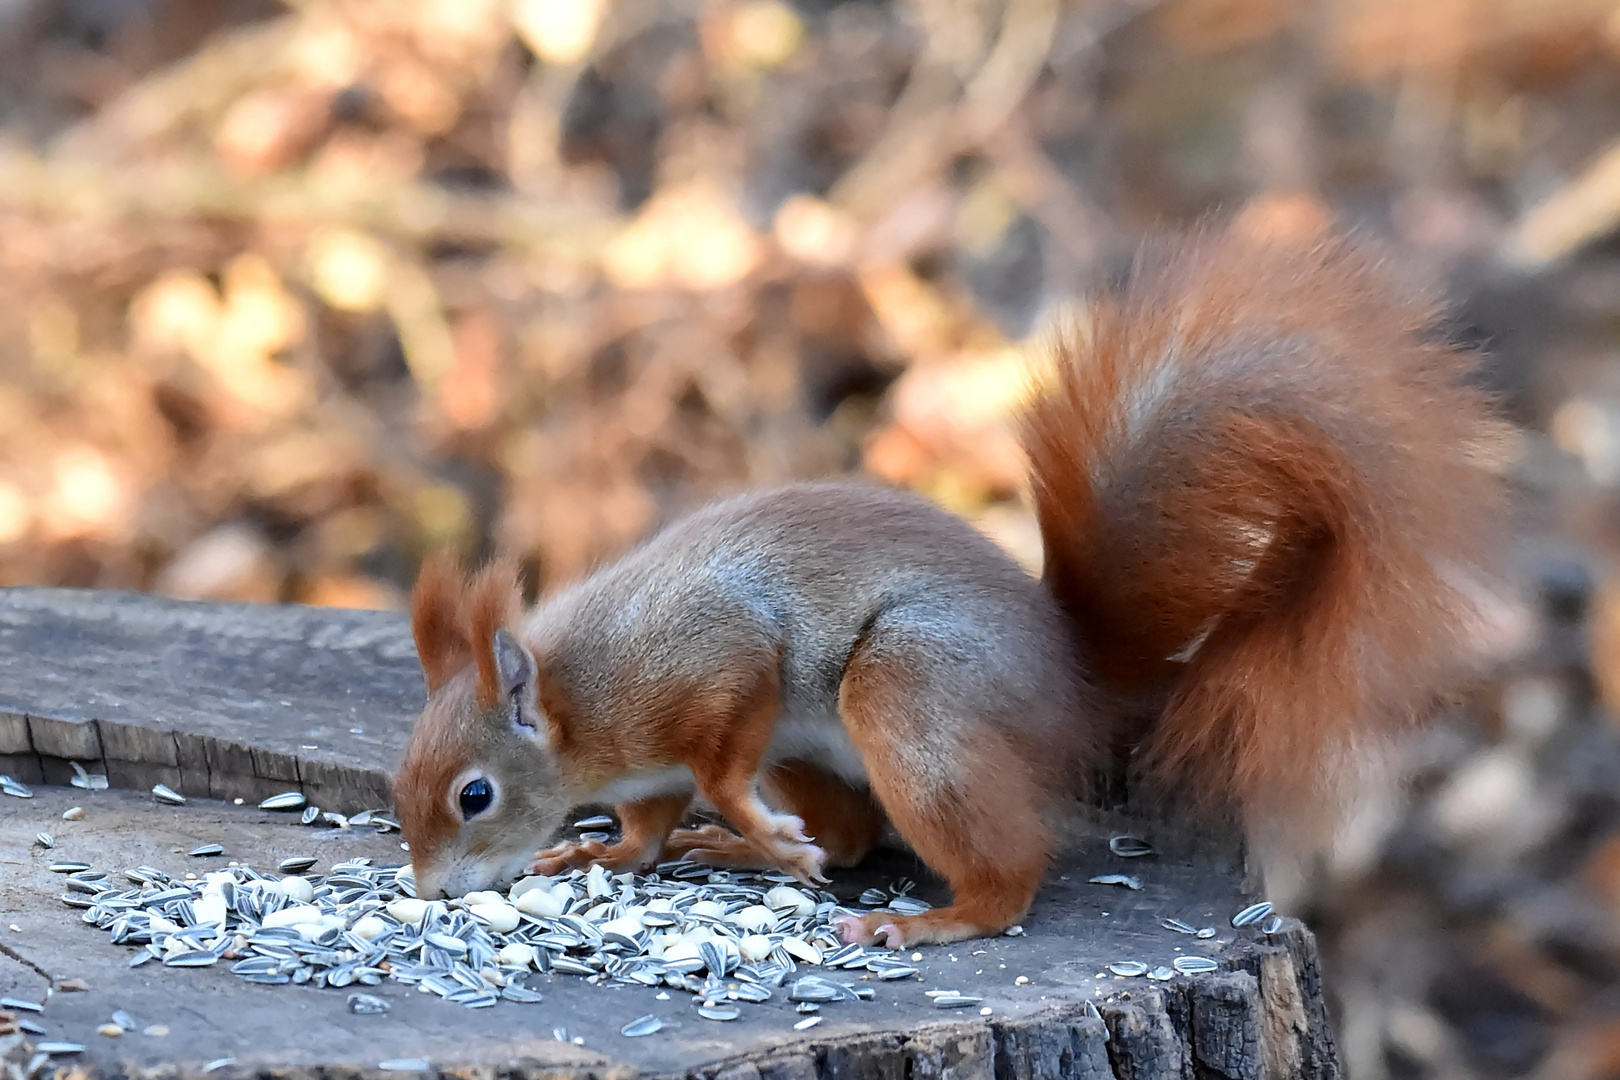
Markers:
<point>45,840</point>
<point>89,781</point>
<point>205,850</point>
<point>296,864</point>
<point>310,815</point>
<point>58,1049</point>
<point>404,1065</point>
<point>955,1000</point>
<point>719,1012</point>
<point>906,905</point>
<point>1128,969</point>
<point>1251,914</point>
<point>166,794</point>
<point>815,990</point>
<point>600,821</point>
<point>22,1004</point>
<point>1127,880</point>
<point>807,1023</point>
<point>1129,847</point>
<point>891,972</point>
<point>642,1026</point>
<point>1194,965</point>
<point>287,800</point>
<point>367,1005</point>
<point>191,958</point>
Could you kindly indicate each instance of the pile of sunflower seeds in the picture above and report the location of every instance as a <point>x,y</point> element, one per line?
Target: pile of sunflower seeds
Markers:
<point>728,938</point>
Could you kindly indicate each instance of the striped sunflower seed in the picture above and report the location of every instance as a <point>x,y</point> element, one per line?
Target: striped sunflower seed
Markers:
<point>1251,914</point>
<point>1194,965</point>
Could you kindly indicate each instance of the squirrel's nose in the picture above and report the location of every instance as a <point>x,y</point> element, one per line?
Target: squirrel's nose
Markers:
<point>429,886</point>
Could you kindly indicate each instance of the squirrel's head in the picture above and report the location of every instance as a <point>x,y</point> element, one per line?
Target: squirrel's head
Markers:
<point>480,785</point>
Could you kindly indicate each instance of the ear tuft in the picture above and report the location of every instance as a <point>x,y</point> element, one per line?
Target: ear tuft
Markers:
<point>493,603</point>
<point>441,642</point>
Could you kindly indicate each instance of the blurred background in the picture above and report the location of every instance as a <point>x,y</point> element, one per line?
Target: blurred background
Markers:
<point>298,291</point>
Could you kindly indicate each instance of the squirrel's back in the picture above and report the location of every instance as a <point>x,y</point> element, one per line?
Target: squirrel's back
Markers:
<point>806,572</point>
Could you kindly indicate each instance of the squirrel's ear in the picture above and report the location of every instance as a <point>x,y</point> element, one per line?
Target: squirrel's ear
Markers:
<point>518,674</point>
<point>514,665</point>
<point>441,644</point>
<point>493,603</point>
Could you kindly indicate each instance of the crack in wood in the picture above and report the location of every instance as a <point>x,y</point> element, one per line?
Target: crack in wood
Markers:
<point>12,954</point>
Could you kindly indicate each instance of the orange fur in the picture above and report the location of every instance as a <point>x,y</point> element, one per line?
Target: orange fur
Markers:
<point>1257,452</point>
<point>493,601</point>
<point>985,834</point>
<point>438,751</point>
<point>441,643</point>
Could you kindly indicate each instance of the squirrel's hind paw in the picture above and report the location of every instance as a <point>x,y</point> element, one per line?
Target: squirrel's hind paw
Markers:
<point>892,931</point>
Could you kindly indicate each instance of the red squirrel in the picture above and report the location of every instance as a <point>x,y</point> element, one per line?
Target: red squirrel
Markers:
<point>1261,486</point>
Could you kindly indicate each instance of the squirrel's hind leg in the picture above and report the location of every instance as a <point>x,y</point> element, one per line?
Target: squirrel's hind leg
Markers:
<point>956,790</point>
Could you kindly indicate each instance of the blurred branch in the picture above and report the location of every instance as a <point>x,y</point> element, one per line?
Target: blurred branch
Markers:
<point>1583,210</point>
<point>1077,223</point>
<point>940,116</point>
<point>159,106</point>
<point>181,189</point>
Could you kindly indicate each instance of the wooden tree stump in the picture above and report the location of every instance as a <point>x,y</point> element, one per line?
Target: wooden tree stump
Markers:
<point>226,702</point>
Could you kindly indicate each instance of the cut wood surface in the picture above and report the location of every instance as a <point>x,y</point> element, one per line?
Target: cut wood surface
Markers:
<point>220,700</point>
<point>236,701</point>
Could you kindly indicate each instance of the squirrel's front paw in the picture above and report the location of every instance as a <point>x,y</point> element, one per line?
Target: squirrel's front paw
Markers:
<point>579,854</point>
<point>568,855</point>
<point>805,862</point>
<point>712,844</point>
<point>717,846</point>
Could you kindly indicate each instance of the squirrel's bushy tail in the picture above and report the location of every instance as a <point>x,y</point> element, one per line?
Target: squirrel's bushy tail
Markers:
<point>1260,480</point>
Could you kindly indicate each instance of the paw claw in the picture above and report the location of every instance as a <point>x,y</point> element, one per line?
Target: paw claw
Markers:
<point>890,936</point>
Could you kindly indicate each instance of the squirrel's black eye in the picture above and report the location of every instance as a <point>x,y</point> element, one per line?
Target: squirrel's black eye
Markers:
<point>476,797</point>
